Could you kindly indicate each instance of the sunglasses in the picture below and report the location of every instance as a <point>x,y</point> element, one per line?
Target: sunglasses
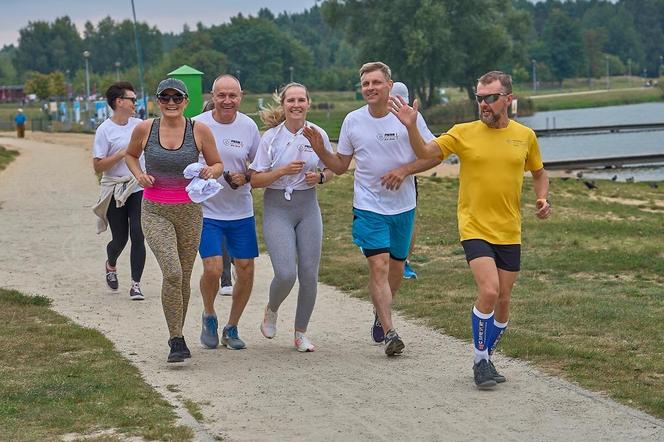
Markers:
<point>164,99</point>
<point>132,99</point>
<point>488,99</point>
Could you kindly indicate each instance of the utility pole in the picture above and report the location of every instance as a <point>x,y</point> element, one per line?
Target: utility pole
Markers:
<point>534,75</point>
<point>139,54</point>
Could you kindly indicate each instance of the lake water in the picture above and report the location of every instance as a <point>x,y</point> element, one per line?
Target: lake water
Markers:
<point>567,147</point>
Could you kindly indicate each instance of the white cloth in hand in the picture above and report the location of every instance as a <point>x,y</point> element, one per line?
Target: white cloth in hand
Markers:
<point>199,189</point>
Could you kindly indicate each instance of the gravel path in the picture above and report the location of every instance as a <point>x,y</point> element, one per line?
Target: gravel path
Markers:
<point>346,390</point>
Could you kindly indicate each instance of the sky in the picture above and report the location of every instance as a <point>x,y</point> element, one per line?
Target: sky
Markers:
<point>167,15</point>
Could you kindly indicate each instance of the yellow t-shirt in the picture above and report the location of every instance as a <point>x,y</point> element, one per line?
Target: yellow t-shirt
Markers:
<point>492,168</point>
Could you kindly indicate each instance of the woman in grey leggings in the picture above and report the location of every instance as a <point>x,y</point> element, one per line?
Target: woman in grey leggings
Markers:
<point>292,227</point>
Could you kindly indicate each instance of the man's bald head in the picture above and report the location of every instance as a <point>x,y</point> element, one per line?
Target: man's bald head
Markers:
<point>227,96</point>
<point>227,80</point>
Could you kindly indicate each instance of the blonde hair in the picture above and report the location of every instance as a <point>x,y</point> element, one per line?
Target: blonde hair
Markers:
<point>208,105</point>
<point>273,114</point>
<point>376,66</point>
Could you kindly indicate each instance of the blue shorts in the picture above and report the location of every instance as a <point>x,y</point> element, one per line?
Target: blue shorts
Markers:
<point>376,233</point>
<point>239,236</point>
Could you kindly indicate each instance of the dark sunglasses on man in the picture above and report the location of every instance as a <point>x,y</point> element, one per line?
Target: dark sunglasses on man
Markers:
<point>489,99</point>
<point>165,98</point>
<point>132,99</point>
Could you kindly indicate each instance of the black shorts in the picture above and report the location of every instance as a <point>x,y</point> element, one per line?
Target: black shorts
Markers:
<point>507,256</point>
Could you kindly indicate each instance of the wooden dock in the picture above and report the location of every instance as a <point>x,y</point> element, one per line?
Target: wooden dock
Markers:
<point>606,162</point>
<point>594,130</point>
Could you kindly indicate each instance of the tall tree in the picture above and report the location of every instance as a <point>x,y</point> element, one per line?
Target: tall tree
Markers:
<point>44,47</point>
<point>562,39</point>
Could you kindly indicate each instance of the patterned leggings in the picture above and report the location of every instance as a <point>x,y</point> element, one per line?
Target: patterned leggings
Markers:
<point>173,232</point>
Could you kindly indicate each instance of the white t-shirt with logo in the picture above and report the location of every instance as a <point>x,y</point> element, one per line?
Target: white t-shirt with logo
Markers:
<point>379,146</point>
<point>110,138</point>
<point>237,143</point>
<point>279,146</point>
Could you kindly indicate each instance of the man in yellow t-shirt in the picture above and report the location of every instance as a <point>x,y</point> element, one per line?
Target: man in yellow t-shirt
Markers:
<point>494,153</point>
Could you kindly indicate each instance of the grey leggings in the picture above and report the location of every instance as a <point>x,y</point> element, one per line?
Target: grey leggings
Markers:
<point>293,233</point>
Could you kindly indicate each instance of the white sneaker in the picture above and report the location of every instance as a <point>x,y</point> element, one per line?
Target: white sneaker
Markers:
<point>302,343</point>
<point>269,324</point>
<point>226,290</point>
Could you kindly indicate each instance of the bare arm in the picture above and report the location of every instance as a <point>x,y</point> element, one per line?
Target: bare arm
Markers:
<point>392,180</point>
<point>103,164</point>
<point>336,162</point>
<point>541,185</point>
<point>313,178</point>
<point>208,147</point>
<point>264,179</point>
<point>139,137</point>
<point>408,117</point>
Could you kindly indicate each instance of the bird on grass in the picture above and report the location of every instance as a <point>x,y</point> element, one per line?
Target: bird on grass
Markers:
<point>653,185</point>
<point>615,177</point>
<point>590,185</point>
<point>434,174</point>
<point>630,180</point>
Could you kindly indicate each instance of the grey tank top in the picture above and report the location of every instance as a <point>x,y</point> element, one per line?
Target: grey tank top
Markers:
<point>167,165</point>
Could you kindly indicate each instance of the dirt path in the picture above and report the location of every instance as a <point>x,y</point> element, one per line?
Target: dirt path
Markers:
<point>346,390</point>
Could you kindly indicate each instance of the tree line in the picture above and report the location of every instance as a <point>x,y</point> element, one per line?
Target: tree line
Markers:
<point>428,43</point>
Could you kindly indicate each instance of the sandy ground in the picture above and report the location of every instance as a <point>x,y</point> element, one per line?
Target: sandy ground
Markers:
<point>346,390</point>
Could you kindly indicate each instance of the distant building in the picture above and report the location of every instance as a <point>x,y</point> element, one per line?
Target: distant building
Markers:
<point>11,94</point>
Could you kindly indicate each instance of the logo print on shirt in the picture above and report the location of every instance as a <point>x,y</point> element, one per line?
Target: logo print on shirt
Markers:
<point>305,148</point>
<point>517,143</point>
<point>233,143</point>
<point>390,136</point>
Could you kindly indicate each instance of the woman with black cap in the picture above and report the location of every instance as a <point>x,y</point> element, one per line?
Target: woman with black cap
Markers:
<point>171,221</point>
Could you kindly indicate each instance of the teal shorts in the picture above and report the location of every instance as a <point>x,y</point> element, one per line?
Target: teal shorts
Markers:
<point>375,233</point>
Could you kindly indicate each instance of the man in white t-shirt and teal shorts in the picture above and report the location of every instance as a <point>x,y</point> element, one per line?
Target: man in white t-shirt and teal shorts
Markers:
<point>384,192</point>
<point>228,216</point>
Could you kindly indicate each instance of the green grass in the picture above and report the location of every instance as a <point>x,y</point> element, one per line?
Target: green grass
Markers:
<point>58,378</point>
<point>588,303</point>
<point>6,156</point>
<point>609,98</point>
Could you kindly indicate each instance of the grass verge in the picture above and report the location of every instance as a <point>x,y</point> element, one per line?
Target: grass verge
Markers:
<point>609,98</point>
<point>59,378</point>
<point>6,156</point>
<point>588,303</point>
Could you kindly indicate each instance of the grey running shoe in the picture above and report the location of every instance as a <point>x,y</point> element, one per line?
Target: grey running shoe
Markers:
<point>177,353</point>
<point>209,334</point>
<point>483,375</point>
<point>135,293</point>
<point>499,378</point>
<point>393,343</point>
<point>230,338</point>
<point>111,278</point>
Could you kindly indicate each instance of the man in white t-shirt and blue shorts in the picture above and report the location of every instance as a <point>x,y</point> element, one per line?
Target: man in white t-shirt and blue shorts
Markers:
<point>384,192</point>
<point>228,216</point>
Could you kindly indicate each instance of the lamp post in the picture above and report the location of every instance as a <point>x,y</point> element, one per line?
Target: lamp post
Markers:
<point>534,74</point>
<point>608,73</point>
<point>661,65</point>
<point>290,68</point>
<point>629,71</point>
<point>117,70</point>
<point>86,55</point>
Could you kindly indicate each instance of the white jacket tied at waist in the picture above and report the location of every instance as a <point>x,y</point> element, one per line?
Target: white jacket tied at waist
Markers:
<point>119,188</point>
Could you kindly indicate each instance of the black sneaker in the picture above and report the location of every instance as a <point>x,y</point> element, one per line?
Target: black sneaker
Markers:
<point>186,352</point>
<point>483,375</point>
<point>135,293</point>
<point>111,278</point>
<point>499,378</point>
<point>178,346</point>
<point>377,332</point>
<point>393,343</point>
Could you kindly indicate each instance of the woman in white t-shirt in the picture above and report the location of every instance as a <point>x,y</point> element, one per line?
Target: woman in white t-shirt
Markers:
<point>119,203</point>
<point>286,164</point>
